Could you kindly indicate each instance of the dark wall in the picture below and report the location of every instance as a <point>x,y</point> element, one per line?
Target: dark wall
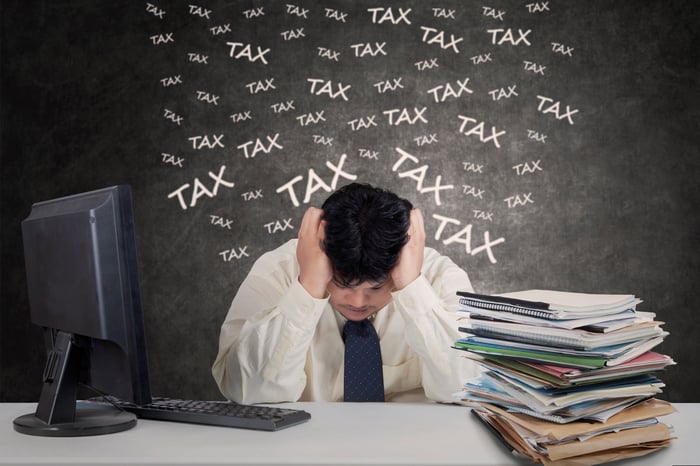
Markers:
<point>549,145</point>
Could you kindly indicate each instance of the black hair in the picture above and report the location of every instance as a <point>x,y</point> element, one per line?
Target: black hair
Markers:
<point>366,227</point>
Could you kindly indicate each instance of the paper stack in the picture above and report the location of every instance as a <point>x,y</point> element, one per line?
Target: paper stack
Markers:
<point>569,377</point>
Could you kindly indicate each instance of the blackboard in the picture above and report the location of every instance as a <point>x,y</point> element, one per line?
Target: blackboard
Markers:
<point>549,145</point>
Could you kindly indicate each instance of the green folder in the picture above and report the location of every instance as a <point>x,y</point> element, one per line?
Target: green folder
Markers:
<point>531,355</point>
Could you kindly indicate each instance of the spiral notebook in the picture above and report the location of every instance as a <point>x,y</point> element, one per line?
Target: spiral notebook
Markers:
<point>550,304</point>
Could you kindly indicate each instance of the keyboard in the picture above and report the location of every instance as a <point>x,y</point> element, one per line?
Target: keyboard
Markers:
<point>215,413</point>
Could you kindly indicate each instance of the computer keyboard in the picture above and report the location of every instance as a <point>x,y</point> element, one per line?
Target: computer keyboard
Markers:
<point>216,413</point>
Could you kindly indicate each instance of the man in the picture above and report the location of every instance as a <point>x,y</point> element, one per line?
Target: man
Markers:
<point>360,258</point>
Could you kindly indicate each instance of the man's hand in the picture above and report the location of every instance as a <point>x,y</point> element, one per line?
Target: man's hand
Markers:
<point>315,270</point>
<point>410,261</point>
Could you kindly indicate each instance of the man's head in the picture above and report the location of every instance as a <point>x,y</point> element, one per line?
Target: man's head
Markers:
<point>366,227</point>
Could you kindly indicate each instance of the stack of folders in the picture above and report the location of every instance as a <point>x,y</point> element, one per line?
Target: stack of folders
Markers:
<point>569,378</point>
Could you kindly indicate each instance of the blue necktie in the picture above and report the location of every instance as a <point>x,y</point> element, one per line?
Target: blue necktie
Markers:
<point>363,362</point>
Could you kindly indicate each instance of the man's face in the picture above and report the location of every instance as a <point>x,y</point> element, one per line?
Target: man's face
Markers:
<point>360,301</point>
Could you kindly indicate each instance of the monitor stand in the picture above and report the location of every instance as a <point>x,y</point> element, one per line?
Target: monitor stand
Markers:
<point>58,414</point>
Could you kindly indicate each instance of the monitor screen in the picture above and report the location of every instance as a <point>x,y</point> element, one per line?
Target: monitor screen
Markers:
<point>82,280</point>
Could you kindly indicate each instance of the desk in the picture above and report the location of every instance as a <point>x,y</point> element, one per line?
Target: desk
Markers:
<point>337,434</point>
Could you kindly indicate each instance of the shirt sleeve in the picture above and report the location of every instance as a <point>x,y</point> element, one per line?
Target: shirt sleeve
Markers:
<point>266,334</point>
<point>428,306</point>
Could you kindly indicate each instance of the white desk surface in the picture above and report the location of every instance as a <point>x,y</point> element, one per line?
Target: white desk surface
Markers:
<point>337,434</point>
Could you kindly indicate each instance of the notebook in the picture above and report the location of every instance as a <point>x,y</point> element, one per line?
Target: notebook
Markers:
<point>550,304</point>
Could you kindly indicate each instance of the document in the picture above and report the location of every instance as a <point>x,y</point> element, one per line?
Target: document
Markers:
<point>569,378</point>
<point>599,324</point>
<point>550,304</point>
<point>576,338</point>
<point>633,432</point>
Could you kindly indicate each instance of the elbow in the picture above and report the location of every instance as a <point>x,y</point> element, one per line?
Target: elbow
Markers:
<point>252,388</point>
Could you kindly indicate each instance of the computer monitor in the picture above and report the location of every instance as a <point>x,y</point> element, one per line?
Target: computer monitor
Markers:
<point>82,280</point>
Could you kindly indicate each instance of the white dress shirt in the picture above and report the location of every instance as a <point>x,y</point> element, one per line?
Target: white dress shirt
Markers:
<point>278,343</point>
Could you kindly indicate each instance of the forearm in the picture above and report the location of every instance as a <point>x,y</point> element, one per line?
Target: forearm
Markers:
<point>431,330</point>
<point>263,359</point>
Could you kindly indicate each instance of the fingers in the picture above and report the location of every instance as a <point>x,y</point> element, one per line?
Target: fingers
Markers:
<point>311,223</point>
<point>416,230</point>
<point>408,267</point>
<point>314,267</point>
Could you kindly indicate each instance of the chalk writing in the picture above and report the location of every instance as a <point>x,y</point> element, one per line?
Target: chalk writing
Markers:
<point>315,182</point>
<point>418,174</point>
<point>274,227</point>
<point>503,93</point>
<point>328,53</point>
<point>387,14</point>
<point>260,86</point>
<point>527,167</point>
<point>472,191</point>
<point>363,49</point>
<point>241,116</point>
<point>506,36</point>
<point>323,140</point>
<point>555,109</point>
<point>427,139</point>
<point>199,190</point>
<point>252,195</point>
<point>388,85</point>
<point>444,91</point>
<point>172,159</point>
<point>481,58</point>
<point>254,13</point>
<point>171,80</point>
<point>306,84</point>
<point>464,236</point>
<point>327,88</point>
<point>293,34</point>
<point>311,118</point>
<point>427,64</point>
<point>295,10</point>
<point>483,215</point>
<point>240,50</point>
<point>518,200</point>
<point>221,221</point>
<point>207,97</point>
<point>404,116</point>
<point>155,11</point>
<point>446,13</point>
<point>204,142</point>
<point>493,13</point>
<point>222,29</point>
<point>368,154</point>
<point>562,49</point>
<point>199,11</point>
<point>532,134</point>
<point>335,14</point>
<point>362,123</point>
<point>283,106</point>
<point>259,146</point>
<point>159,39</point>
<point>534,67</point>
<point>435,36</point>
<point>198,58</point>
<point>234,253</point>
<point>478,130</point>
<point>473,167</point>
<point>538,7</point>
<point>172,116</point>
